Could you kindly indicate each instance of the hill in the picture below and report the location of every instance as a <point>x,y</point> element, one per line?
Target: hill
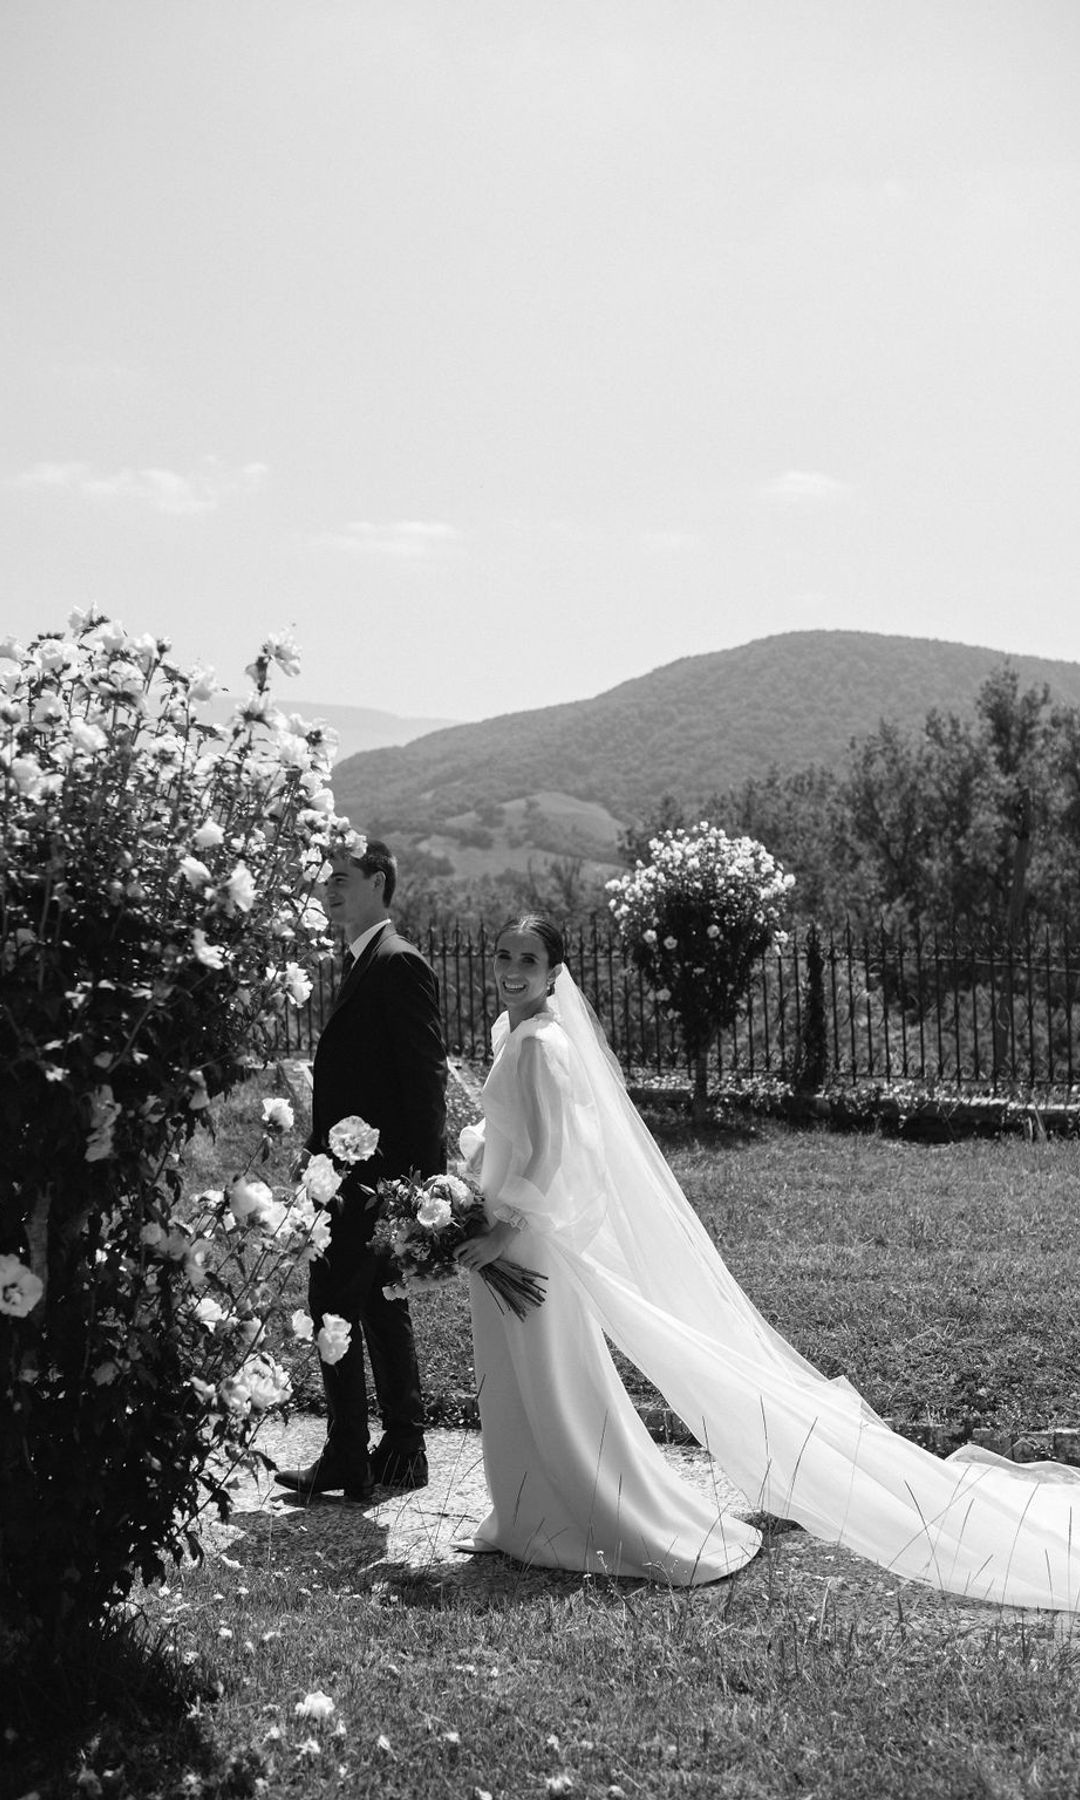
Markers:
<point>564,779</point>
<point>358,727</point>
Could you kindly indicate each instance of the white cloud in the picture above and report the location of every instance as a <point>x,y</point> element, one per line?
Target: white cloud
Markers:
<point>405,538</point>
<point>809,486</point>
<point>164,490</point>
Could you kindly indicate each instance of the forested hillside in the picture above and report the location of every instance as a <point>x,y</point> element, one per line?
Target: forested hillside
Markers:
<point>694,728</point>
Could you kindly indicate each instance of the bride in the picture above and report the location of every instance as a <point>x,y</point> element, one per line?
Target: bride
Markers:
<point>576,1188</point>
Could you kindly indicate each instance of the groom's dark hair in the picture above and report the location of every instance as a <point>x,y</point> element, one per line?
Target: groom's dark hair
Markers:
<point>379,859</point>
<point>544,928</point>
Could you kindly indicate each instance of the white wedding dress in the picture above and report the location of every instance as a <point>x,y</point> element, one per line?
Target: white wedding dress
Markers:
<point>575,1480</point>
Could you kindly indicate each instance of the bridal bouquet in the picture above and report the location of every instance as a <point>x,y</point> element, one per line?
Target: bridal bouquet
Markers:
<point>420,1225</point>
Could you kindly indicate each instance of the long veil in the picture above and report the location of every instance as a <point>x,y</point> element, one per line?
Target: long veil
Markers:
<point>799,1445</point>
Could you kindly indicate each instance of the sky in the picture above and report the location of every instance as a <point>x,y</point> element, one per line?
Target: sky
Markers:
<point>508,349</point>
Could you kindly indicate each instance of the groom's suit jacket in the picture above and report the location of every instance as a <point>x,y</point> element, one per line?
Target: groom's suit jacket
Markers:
<point>381,1055</point>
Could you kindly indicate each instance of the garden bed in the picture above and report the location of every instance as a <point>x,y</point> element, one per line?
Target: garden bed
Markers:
<point>897,1109</point>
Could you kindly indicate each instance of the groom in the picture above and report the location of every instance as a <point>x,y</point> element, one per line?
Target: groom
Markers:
<point>380,1055</point>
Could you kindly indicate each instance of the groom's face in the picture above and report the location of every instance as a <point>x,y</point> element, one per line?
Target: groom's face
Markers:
<point>353,900</point>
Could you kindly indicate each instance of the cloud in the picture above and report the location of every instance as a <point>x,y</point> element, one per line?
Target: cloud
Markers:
<point>408,539</point>
<point>805,487</point>
<point>164,490</point>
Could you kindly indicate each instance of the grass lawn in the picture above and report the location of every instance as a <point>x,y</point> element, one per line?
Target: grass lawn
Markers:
<point>941,1280</point>
<point>925,1275</point>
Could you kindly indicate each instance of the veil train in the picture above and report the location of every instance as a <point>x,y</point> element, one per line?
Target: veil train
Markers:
<point>798,1445</point>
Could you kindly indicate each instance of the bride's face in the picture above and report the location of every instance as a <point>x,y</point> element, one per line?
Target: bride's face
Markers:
<point>522,972</point>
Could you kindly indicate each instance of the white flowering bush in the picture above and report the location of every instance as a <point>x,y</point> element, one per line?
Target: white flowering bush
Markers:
<point>156,874</point>
<point>693,918</point>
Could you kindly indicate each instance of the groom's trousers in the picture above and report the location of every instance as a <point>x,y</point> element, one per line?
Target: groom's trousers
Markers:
<point>348,1280</point>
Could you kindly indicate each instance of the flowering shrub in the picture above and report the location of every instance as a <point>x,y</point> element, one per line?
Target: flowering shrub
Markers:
<point>155,914</point>
<point>694,918</point>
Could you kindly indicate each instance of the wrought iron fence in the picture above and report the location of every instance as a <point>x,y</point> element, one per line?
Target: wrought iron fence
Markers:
<point>950,1008</point>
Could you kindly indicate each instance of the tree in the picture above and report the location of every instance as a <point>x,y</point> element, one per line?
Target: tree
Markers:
<point>885,837</point>
<point>796,812</point>
<point>155,913</point>
<point>693,918</point>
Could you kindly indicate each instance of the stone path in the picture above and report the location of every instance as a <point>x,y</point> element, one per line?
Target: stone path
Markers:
<point>411,1538</point>
<point>416,1531</point>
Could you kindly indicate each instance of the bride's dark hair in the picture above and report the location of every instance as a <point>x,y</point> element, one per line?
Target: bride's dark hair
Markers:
<point>548,933</point>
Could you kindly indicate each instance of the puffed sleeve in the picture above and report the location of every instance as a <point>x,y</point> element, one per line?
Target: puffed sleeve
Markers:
<point>555,1181</point>
<point>471,1145</point>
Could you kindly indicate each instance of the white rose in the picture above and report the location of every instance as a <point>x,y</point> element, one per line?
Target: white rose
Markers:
<point>240,888</point>
<point>353,1139</point>
<point>321,1179</point>
<point>20,1288</point>
<point>194,1260</point>
<point>303,1326</point>
<point>434,1212</point>
<point>249,1199</point>
<point>211,955</point>
<point>87,736</point>
<point>282,646</point>
<point>208,836</point>
<point>333,1339</point>
<point>195,872</point>
<point>271,1218</point>
<point>315,1706</point>
<point>28,775</point>
<point>265,1381</point>
<point>278,1115</point>
<point>297,984</point>
<point>48,710</point>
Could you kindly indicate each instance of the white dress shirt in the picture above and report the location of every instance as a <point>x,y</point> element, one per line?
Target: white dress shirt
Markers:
<point>361,943</point>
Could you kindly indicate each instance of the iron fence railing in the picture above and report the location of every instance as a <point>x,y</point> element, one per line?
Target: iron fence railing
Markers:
<point>949,1007</point>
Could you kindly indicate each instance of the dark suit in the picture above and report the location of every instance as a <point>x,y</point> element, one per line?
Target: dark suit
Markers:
<point>380,1055</point>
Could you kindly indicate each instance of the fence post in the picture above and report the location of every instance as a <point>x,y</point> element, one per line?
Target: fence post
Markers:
<point>974,1004</point>
<point>1068,1007</point>
<point>869,1008</point>
<point>1030,1003</point>
<point>851,1001</point>
<point>922,1006</point>
<point>885,998</point>
<point>956,1005</point>
<point>780,1014</point>
<point>1048,988</point>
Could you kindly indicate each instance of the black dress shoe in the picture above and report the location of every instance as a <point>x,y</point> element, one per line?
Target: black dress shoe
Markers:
<point>321,1477</point>
<point>398,1468</point>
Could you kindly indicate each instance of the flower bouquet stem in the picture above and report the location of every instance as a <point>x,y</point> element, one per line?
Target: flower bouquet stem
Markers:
<point>514,1289</point>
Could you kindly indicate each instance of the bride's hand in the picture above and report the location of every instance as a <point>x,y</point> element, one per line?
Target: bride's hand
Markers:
<point>487,1247</point>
